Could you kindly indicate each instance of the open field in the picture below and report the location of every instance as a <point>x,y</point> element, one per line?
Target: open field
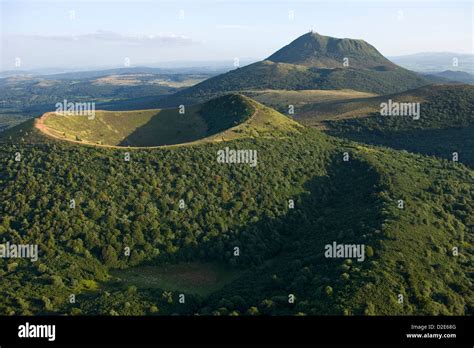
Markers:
<point>188,277</point>
<point>280,99</point>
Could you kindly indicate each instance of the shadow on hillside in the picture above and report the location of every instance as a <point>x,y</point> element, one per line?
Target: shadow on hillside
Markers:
<point>432,142</point>
<point>285,255</point>
<point>168,128</point>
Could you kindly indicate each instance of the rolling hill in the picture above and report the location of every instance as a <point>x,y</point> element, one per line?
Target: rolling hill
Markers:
<point>302,100</point>
<point>224,118</point>
<point>456,76</point>
<point>445,124</point>
<point>353,105</point>
<point>312,61</point>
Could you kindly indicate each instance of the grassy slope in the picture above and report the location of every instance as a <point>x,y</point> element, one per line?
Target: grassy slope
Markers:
<point>24,132</point>
<point>225,118</point>
<point>265,123</point>
<point>344,108</point>
<point>106,127</point>
<point>281,99</point>
<point>270,75</point>
<point>169,127</point>
<point>446,123</point>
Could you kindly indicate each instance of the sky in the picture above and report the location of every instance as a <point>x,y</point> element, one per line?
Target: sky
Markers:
<point>112,33</point>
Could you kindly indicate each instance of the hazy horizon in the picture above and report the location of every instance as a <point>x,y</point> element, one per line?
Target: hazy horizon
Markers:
<point>117,33</point>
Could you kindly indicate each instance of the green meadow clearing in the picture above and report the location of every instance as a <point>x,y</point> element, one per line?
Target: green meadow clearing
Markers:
<point>188,277</point>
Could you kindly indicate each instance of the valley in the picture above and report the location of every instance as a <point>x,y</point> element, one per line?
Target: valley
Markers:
<point>26,96</point>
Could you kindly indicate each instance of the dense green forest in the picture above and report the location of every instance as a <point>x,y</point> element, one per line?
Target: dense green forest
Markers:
<point>445,125</point>
<point>181,205</point>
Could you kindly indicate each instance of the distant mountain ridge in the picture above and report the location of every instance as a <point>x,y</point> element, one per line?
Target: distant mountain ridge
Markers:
<point>312,61</point>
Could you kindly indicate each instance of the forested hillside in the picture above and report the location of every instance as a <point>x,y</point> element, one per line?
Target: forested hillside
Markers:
<point>137,204</point>
<point>445,124</point>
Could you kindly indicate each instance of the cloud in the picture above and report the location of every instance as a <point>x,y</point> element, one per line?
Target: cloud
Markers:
<point>232,26</point>
<point>101,48</point>
<point>165,39</point>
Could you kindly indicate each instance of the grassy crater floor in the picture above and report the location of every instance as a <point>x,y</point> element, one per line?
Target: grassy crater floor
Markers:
<point>225,118</point>
<point>129,128</point>
<point>188,277</point>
